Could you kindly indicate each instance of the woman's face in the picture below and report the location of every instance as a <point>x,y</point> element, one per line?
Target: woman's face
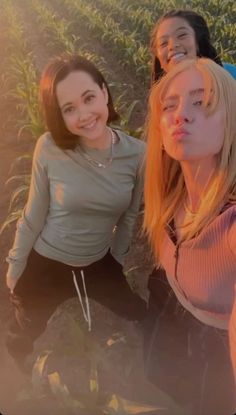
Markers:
<point>83,106</point>
<point>175,41</point>
<point>188,132</point>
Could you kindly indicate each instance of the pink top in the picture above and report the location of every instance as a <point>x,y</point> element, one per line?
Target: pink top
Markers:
<point>232,338</point>
<point>202,271</point>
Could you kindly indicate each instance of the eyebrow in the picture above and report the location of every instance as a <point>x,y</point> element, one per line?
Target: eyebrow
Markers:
<point>183,27</point>
<point>192,93</point>
<point>70,103</point>
<point>179,28</point>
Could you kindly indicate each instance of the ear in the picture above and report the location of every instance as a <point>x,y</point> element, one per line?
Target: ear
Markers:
<point>105,92</point>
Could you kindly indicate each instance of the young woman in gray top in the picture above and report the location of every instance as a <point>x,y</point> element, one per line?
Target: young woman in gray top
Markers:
<point>83,201</point>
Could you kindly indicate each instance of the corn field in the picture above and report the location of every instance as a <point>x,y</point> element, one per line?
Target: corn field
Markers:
<point>115,35</point>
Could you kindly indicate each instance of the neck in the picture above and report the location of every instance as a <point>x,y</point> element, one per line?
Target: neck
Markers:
<point>197,177</point>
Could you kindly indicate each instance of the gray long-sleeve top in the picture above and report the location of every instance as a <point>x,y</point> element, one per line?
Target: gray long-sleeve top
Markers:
<point>73,206</point>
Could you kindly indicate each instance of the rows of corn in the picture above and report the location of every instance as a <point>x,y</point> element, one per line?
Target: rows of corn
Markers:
<point>119,28</point>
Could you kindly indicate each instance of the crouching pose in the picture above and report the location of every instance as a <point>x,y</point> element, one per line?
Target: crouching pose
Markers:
<point>84,198</point>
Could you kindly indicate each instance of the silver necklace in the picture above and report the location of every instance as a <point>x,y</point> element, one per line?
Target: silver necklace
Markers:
<point>98,163</point>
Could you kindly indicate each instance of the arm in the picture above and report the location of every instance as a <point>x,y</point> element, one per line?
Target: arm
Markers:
<point>123,234</point>
<point>33,217</point>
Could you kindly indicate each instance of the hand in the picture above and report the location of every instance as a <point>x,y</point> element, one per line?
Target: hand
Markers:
<point>11,282</point>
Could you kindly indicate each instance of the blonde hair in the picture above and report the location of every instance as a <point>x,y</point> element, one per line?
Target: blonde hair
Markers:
<point>164,187</point>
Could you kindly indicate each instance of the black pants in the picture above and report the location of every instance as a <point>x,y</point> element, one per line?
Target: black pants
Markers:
<point>184,357</point>
<point>46,283</point>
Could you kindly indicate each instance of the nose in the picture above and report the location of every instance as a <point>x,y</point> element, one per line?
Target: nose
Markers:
<point>183,113</point>
<point>173,43</point>
<point>82,115</point>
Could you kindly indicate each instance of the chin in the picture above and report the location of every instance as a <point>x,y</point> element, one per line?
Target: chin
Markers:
<point>173,64</point>
<point>181,157</point>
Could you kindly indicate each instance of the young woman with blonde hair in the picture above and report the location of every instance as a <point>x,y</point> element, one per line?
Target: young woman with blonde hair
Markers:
<point>190,217</point>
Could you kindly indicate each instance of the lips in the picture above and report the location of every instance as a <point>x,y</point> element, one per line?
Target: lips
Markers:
<point>89,126</point>
<point>175,57</point>
<point>179,133</point>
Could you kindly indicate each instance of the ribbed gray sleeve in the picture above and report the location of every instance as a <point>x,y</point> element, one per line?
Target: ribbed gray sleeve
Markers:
<point>34,215</point>
<point>124,230</point>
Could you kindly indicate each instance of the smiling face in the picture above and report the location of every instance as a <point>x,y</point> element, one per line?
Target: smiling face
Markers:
<point>188,131</point>
<point>83,106</point>
<point>175,41</point>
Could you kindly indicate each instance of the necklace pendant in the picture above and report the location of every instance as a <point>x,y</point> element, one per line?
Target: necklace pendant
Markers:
<point>97,163</point>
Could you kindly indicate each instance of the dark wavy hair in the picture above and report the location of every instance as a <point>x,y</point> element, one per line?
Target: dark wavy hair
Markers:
<point>202,35</point>
<point>57,70</point>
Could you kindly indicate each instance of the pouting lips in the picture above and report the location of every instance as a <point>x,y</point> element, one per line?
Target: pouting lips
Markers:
<point>179,133</point>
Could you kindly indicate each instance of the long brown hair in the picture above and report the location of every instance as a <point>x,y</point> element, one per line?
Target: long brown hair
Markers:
<point>57,70</point>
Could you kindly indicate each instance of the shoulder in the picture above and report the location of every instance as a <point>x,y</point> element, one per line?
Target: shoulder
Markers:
<point>132,144</point>
<point>45,141</point>
<point>45,150</point>
<point>45,147</point>
<point>230,68</point>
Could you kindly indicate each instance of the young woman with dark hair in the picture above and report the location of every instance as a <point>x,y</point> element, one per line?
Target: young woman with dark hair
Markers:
<point>181,34</point>
<point>84,198</point>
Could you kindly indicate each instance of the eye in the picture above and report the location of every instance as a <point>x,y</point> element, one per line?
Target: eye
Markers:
<point>68,110</point>
<point>182,35</point>
<point>168,107</point>
<point>89,98</point>
<point>163,44</point>
<point>198,103</point>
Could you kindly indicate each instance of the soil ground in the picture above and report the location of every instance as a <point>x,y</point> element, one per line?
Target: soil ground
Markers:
<point>12,381</point>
